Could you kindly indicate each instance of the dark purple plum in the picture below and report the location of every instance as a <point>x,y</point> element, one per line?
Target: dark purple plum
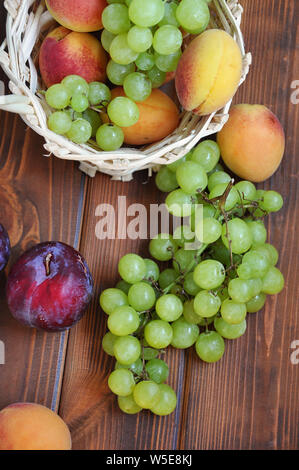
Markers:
<point>4,247</point>
<point>49,287</point>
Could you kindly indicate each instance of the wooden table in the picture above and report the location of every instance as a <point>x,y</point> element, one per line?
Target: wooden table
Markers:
<point>250,399</point>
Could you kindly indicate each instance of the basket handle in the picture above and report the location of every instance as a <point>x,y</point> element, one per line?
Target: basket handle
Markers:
<point>19,104</point>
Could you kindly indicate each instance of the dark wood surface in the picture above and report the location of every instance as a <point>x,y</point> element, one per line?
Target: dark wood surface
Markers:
<point>249,400</point>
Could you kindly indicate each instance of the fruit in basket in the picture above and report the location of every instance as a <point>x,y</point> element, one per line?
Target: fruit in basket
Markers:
<point>158,117</point>
<point>4,247</point>
<point>206,297</point>
<point>78,15</point>
<point>208,72</point>
<point>252,142</point>
<point>64,52</point>
<point>29,426</point>
<point>49,287</point>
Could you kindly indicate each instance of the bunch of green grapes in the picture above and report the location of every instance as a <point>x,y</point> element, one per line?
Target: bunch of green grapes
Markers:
<point>144,40</point>
<point>220,268</point>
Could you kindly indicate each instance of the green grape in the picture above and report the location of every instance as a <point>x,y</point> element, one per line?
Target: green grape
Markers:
<point>140,39</point>
<point>146,13</point>
<point>207,154</point>
<point>231,199</point>
<point>141,296</point>
<point>219,177</point>
<point>115,18</point>
<point>152,270</point>
<point>156,76</point>
<point>158,334</point>
<point>128,405</point>
<point>109,137</point>
<point>239,290</point>
<point>179,203</point>
<point>270,251</point>
<point>127,349</point>
<point>174,165</point>
<point>255,286</point>
<point>106,39</point>
<point>183,234</point>
<point>233,312</point>
<point>75,84</point>
<point>184,260</point>
<point>246,191</point>
<point>208,231</point>
<point>189,285</point>
<point>123,286</point>
<point>273,282</point>
<point>166,180</point>
<point>123,321</point>
<point>218,167</point>
<point>162,247</point>
<point>191,177</point>
<point>58,96</point>
<point>60,123</point>
<point>157,370</point>
<point>146,393</point>
<point>145,61</point>
<point>137,86</point>
<point>167,40</point>
<point>206,211</point>
<point>221,253</point>
<point>258,231</point>
<point>239,235</point>
<point>178,292</point>
<point>132,268</point>
<point>209,274</point>
<point>229,331</point>
<point>254,264</point>
<point>80,131</point>
<point>115,1</point>
<point>121,382</point>
<point>94,120</point>
<point>98,93</point>
<point>128,2</point>
<point>167,277</point>
<point>167,401</point>
<point>123,112</point>
<point>117,72</point>
<point>136,367</point>
<point>120,51</point>
<point>169,307</point>
<point>79,102</point>
<point>170,15</point>
<point>190,315</point>
<point>150,353</point>
<point>111,299</point>
<point>168,63</point>
<point>108,343</point>
<point>193,15</point>
<point>272,201</point>
<point>206,304</point>
<point>210,346</point>
<point>256,303</point>
<point>184,334</point>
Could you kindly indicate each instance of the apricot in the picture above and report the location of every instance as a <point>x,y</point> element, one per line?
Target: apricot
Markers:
<point>64,52</point>
<point>252,142</point>
<point>209,72</point>
<point>29,426</point>
<point>78,15</point>
<point>159,117</point>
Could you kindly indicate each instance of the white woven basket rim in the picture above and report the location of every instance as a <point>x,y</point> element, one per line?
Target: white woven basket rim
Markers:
<point>23,28</point>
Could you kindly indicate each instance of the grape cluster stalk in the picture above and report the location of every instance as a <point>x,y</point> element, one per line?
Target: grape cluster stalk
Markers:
<point>203,296</point>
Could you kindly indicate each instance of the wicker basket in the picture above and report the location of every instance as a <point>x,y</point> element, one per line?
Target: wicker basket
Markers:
<point>27,20</point>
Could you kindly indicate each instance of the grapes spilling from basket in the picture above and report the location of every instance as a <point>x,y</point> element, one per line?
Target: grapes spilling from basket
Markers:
<point>221,268</point>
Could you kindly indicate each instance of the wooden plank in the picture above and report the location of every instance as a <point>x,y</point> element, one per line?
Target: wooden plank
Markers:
<point>249,400</point>
<point>86,402</point>
<point>40,200</point>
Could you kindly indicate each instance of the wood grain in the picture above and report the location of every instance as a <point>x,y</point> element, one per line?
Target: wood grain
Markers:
<point>249,400</point>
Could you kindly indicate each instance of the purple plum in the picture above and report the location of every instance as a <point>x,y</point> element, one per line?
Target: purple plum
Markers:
<point>49,287</point>
<point>4,247</point>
